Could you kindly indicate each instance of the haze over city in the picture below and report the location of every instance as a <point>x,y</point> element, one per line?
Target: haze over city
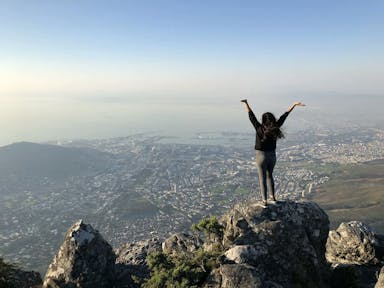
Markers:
<point>97,69</point>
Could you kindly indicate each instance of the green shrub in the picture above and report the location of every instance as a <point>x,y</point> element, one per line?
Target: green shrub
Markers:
<point>209,226</point>
<point>184,270</point>
<point>191,269</point>
<point>180,270</point>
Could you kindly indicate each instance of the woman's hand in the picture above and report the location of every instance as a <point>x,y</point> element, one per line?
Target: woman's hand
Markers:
<point>298,103</point>
<point>245,101</point>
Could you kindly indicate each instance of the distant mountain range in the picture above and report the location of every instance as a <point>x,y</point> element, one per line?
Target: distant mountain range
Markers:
<point>31,160</point>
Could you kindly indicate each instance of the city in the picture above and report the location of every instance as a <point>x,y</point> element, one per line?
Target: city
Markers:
<point>151,187</point>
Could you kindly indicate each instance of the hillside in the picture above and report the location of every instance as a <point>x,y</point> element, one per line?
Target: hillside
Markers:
<point>38,200</point>
<point>354,192</point>
<point>27,160</point>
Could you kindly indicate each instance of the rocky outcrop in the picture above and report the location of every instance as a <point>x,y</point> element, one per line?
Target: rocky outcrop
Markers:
<point>282,245</point>
<point>356,254</point>
<point>84,260</point>
<point>131,264</point>
<point>181,243</point>
<point>354,243</point>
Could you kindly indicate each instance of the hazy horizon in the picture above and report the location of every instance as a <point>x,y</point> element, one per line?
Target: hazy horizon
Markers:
<point>99,69</point>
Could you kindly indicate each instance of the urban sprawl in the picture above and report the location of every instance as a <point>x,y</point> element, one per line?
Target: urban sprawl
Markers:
<point>153,187</point>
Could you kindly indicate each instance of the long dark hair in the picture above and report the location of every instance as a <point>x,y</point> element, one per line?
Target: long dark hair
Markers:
<point>270,127</point>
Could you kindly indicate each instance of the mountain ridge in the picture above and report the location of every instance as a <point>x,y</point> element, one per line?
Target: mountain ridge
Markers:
<point>27,159</point>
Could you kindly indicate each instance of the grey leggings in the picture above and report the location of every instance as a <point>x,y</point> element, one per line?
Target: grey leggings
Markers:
<point>266,161</point>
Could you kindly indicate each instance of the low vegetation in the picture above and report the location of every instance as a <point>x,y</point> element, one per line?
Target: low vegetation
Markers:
<point>190,269</point>
<point>209,226</point>
<point>180,270</point>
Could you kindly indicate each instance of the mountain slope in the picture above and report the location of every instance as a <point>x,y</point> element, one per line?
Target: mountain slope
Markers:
<point>31,160</point>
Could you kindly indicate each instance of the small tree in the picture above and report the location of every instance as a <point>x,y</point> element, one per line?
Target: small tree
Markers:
<point>210,227</point>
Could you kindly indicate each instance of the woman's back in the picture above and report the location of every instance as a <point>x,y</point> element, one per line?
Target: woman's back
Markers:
<point>269,131</point>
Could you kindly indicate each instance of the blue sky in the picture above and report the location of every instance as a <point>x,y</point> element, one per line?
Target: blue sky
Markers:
<point>95,55</point>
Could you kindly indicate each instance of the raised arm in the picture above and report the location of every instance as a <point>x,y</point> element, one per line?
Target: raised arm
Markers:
<point>251,115</point>
<point>282,118</point>
<point>294,105</point>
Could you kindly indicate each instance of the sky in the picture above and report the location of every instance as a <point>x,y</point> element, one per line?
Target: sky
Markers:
<point>95,69</point>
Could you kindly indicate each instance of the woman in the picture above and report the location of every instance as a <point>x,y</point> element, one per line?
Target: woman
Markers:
<point>267,133</point>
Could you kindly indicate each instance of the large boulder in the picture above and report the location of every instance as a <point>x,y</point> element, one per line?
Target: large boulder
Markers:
<point>282,245</point>
<point>84,260</point>
<point>131,264</point>
<point>354,243</point>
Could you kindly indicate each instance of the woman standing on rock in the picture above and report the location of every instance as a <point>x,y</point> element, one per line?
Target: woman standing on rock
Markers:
<point>267,134</point>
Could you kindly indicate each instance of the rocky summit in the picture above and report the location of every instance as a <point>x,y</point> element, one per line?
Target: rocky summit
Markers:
<point>282,245</point>
<point>85,259</point>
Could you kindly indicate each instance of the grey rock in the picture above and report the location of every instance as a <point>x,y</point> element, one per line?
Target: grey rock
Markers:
<point>354,243</point>
<point>284,242</point>
<point>181,243</point>
<point>380,281</point>
<point>131,264</point>
<point>245,254</point>
<point>84,260</point>
<point>235,275</point>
